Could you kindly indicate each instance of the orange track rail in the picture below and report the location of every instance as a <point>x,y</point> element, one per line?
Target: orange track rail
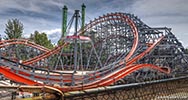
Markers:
<point>12,76</point>
<point>23,42</point>
<point>121,17</point>
<point>109,78</point>
<point>102,81</point>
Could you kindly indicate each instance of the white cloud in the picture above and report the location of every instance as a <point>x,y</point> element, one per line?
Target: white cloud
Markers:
<point>50,32</point>
<point>54,34</point>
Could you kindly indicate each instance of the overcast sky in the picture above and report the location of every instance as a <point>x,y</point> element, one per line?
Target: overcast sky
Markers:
<point>45,15</point>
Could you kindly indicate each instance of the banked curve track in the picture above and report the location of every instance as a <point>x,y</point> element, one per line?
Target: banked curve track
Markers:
<point>141,52</point>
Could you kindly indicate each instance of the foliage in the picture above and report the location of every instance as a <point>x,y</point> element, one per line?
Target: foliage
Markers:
<point>60,42</point>
<point>41,39</point>
<point>14,29</point>
<point>186,50</point>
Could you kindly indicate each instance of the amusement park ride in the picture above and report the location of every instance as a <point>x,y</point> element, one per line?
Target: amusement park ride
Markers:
<point>113,49</point>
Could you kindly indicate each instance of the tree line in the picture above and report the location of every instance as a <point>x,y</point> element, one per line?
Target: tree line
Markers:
<point>14,30</point>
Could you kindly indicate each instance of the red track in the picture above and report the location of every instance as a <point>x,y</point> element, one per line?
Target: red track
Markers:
<point>120,16</point>
<point>108,79</point>
<point>23,42</point>
<point>102,81</point>
<point>12,76</point>
<point>48,52</point>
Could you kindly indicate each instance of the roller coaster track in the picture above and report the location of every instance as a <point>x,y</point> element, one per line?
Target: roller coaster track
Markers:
<point>126,47</point>
<point>109,79</point>
<point>12,75</point>
<point>122,17</point>
<point>23,42</point>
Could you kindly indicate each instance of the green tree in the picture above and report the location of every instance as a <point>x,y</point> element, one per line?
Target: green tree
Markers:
<point>60,42</point>
<point>41,39</point>
<point>186,51</point>
<point>14,29</point>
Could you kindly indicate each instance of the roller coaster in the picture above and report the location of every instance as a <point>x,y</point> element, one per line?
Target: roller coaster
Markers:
<point>113,49</point>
